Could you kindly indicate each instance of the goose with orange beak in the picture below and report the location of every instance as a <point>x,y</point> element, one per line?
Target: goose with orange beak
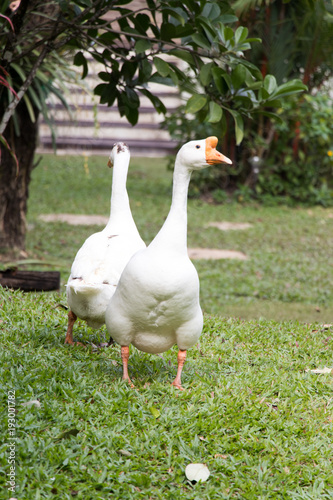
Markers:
<point>156,303</point>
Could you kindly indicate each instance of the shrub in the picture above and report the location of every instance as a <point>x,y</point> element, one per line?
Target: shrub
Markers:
<point>295,155</point>
<point>298,163</point>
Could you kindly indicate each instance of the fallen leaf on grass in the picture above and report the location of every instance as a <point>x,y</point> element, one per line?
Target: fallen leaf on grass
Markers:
<point>33,402</point>
<point>66,434</point>
<point>320,370</point>
<point>125,453</point>
<point>197,472</point>
<point>155,412</point>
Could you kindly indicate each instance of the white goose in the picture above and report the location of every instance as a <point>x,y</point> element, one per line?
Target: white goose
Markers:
<point>100,261</point>
<point>156,303</point>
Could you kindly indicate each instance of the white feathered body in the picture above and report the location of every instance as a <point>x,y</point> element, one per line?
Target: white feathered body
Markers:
<point>156,304</point>
<point>96,271</point>
<point>100,261</point>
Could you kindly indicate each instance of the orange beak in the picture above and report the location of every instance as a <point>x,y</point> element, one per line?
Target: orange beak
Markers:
<point>212,155</point>
<point>110,164</point>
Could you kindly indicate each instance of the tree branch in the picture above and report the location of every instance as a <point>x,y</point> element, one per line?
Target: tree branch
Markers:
<point>12,106</point>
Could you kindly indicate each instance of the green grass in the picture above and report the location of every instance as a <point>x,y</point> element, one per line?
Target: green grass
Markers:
<point>250,411</point>
<point>289,271</point>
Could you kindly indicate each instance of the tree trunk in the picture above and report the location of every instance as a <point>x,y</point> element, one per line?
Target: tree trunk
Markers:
<point>14,183</point>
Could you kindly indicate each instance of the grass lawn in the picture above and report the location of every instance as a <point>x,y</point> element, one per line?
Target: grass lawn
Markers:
<point>252,409</point>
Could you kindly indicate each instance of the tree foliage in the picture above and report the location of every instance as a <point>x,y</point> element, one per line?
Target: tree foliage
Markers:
<point>296,38</point>
<point>197,46</point>
<point>295,46</point>
<point>200,35</point>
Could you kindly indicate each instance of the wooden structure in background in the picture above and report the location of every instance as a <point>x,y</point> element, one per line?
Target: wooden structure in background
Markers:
<point>92,128</point>
<point>30,281</point>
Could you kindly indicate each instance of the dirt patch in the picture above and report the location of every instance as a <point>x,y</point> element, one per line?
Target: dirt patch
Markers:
<point>230,226</point>
<point>215,254</point>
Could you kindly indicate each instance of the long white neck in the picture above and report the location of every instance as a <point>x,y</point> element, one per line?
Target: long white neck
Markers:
<point>120,211</point>
<point>173,233</point>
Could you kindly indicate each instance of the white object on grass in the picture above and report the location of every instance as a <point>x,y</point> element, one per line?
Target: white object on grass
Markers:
<point>197,472</point>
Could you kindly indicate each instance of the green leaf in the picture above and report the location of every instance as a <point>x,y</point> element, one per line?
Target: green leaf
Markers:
<point>107,92</point>
<point>141,22</point>
<point>145,69</point>
<point>35,98</point>
<point>67,434</point>
<point>174,77</point>
<point>133,98</point>
<point>156,78</point>
<point>238,76</point>
<point>128,104</point>
<point>274,103</point>
<point>162,67</point>
<point>19,71</point>
<point>80,60</point>
<point>104,76</point>
<point>107,38</point>
<point>270,83</point>
<point>269,114</point>
<point>208,28</point>
<point>220,83</point>
<point>155,412</point>
<point>241,34</point>
<point>215,112</point>
<point>168,31</point>
<point>29,108</point>
<point>255,72</point>
<point>128,70</point>
<point>263,94</point>
<point>291,87</point>
<point>227,78</point>
<point>202,41</point>
<point>254,86</point>
<point>239,125</point>
<point>205,74</point>
<point>195,103</point>
<point>228,19</point>
<point>183,55</point>
<point>175,14</point>
<point>142,45</point>
<point>211,11</point>
<point>157,103</point>
<point>226,33</point>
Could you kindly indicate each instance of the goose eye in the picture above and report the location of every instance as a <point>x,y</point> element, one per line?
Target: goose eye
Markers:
<point>197,146</point>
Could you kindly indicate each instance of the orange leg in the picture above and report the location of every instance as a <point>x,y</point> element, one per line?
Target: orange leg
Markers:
<point>69,335</point>
<point>181,360</point>
<point>124,358</point>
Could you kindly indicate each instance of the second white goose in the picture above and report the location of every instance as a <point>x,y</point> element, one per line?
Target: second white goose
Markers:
<point>100,261</point>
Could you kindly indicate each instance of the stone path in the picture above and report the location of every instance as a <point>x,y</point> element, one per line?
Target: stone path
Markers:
<point>194,253</point>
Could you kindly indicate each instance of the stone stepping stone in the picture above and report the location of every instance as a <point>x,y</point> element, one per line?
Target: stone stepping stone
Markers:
<point>230,226</point>
<point>215,254</point>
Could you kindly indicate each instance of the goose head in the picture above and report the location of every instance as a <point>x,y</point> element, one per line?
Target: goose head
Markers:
<point>118,149</point>
<point>196,155</point>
